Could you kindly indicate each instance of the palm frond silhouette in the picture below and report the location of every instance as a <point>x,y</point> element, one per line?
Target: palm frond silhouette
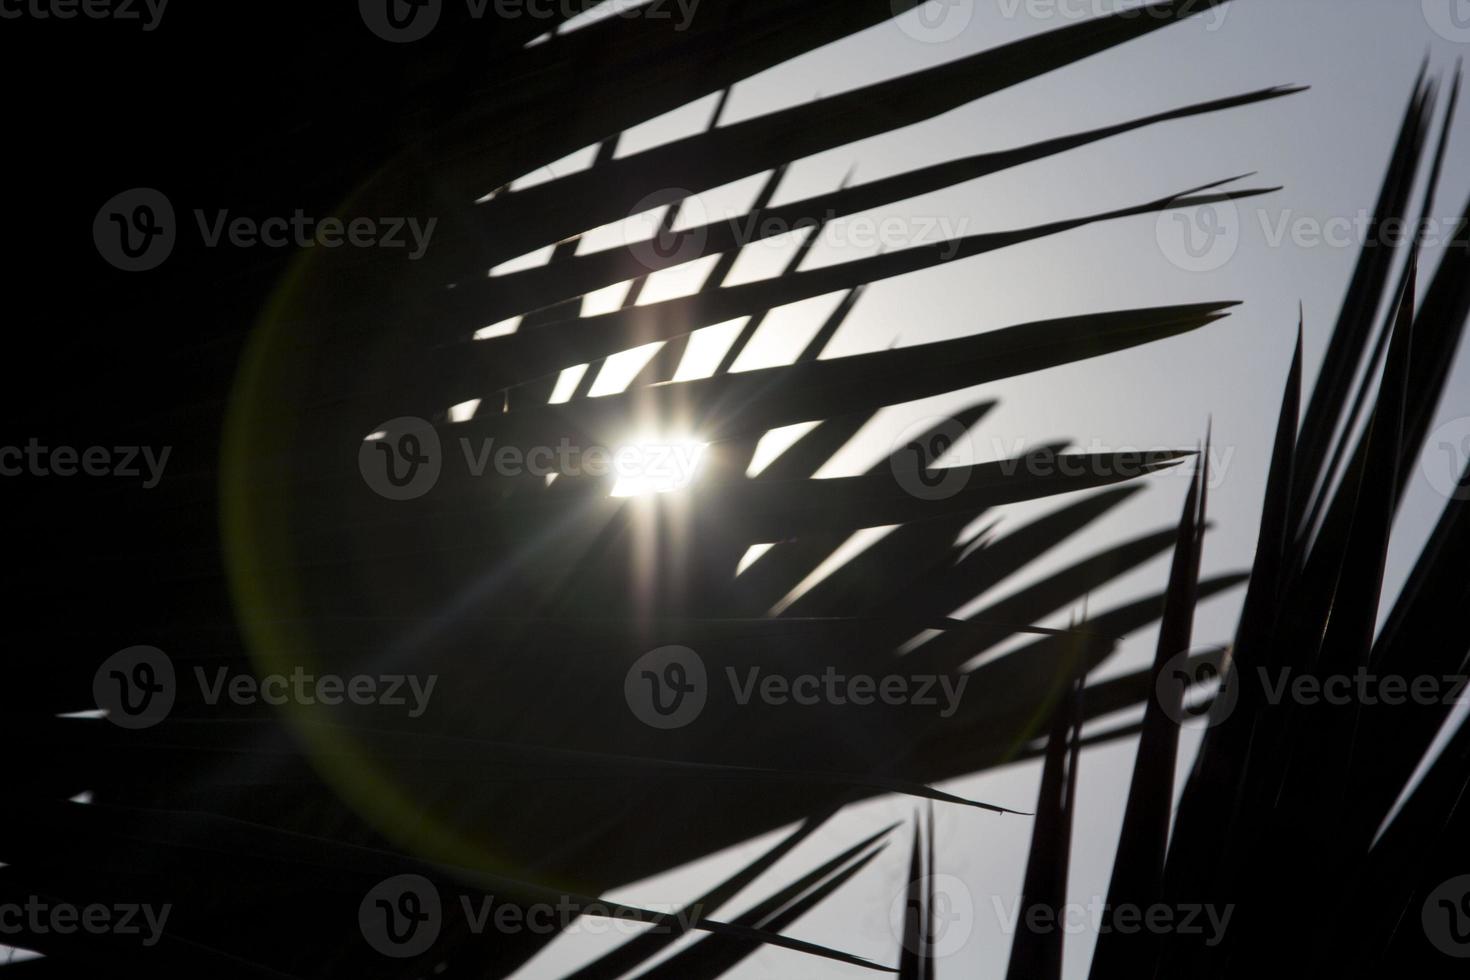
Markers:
<point>536,604</point>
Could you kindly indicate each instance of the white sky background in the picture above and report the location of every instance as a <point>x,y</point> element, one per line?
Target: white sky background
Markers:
<point>1328,147</point>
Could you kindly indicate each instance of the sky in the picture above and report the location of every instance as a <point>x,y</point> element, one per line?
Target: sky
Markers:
<point>1326,147</point>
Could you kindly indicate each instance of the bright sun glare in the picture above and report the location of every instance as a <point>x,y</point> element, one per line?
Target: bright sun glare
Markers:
<point>653,464</point>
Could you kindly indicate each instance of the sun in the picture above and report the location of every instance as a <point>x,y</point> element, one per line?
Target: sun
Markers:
<point>655,464</point>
